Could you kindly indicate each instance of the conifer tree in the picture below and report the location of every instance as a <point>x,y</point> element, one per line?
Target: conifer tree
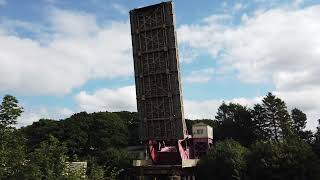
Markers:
<point>299,119</point>
<point>9,111</point>
<point>273,117</point>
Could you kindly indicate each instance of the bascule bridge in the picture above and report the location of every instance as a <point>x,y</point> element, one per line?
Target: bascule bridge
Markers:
<point>171,151</point>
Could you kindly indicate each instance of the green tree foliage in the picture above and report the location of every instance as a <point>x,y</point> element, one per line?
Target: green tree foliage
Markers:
<point>316,144</point>
<point>12,142</point>
<point>272,118</point>
<point>226,161</point>
<point>280,152</point>
<point>236,122</point>
<point>307,136</point>
<point>299,119</point>
<point>133,124</point>
<point>288,159</point>
<point>317,134</point>
<point>9,111</point>
<point>12,154</point>
<point>101,136</point>
<point>258,115</point>
<point>48,160</point>
<point>96,172</point>
<point>39,151</point>
<point>41,131</point>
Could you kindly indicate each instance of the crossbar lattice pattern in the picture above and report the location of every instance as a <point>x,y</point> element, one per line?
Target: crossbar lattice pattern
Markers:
<point>157,73</point>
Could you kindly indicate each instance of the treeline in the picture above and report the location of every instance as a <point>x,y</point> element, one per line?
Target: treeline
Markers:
<point>263,142</point>
<point>41,150</point>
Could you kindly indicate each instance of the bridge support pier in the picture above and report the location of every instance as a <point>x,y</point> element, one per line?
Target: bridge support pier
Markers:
<point>174,177</point>
<point>161,172</point>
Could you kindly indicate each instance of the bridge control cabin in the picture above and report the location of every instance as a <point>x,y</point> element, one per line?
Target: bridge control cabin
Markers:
<point>202,139</point>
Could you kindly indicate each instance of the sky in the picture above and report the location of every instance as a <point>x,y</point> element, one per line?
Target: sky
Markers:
<point>60,57</point>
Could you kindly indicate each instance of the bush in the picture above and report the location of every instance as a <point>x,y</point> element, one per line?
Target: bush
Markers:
<point>226,161</point>
<point>290,159</point>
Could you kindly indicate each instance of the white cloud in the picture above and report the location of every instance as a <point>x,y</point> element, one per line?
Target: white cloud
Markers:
<point>217,18</point>
<point>303,100</point>
<point>268,3</point>
<point>120,8</point>
<point>35,114</point>
<point>124,98</point>
<point>224,4</point>
<point>239,6</point>
<point>306,100</point>
<point>263,45</point>
<point>76,50</point>
<point>65,111</point>
<point>201,109</point>
<point>279,46</point>
<point>28,118</point>
<point>274,45</point>
<point>200,76</point>
<point>118,99</point>
<point>297,3</point>
<point>74,23</point>
<point>207,109</point>
<point>249,102</point>
<point>10,26</point>
<point>186,54</point>
<point>3,2</point>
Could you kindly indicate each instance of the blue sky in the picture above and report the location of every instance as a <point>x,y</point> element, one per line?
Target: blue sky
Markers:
<point>60,57</point>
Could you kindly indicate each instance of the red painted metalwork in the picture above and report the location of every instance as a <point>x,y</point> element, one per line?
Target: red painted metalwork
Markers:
<point>201,146</point>
<point>153,151</point>
<point>184,149</point>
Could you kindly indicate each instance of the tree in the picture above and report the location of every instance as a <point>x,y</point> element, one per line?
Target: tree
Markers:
<point>84,134</point>
<point>318,130</point>
<point>299,119</point>
<point>273,118</point>
<point>288,159</point>
<point>258,115</point>
<point>9,111</point>
<point>48,160</point>
<point>12,154</point>
<point>317,134</point>
<point>236,122</point>
<point>96,172</point>
<point>41,131</point>
<point>132,121</point>
<point>307,136</point>
<point>12,143</point>
<point>226,161</point>
<point>316,144</point>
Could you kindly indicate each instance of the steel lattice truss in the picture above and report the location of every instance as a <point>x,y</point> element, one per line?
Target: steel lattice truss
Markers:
<point>157,73</point>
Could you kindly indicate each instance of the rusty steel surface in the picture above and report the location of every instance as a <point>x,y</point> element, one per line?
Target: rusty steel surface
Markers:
<point>157,74</point>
